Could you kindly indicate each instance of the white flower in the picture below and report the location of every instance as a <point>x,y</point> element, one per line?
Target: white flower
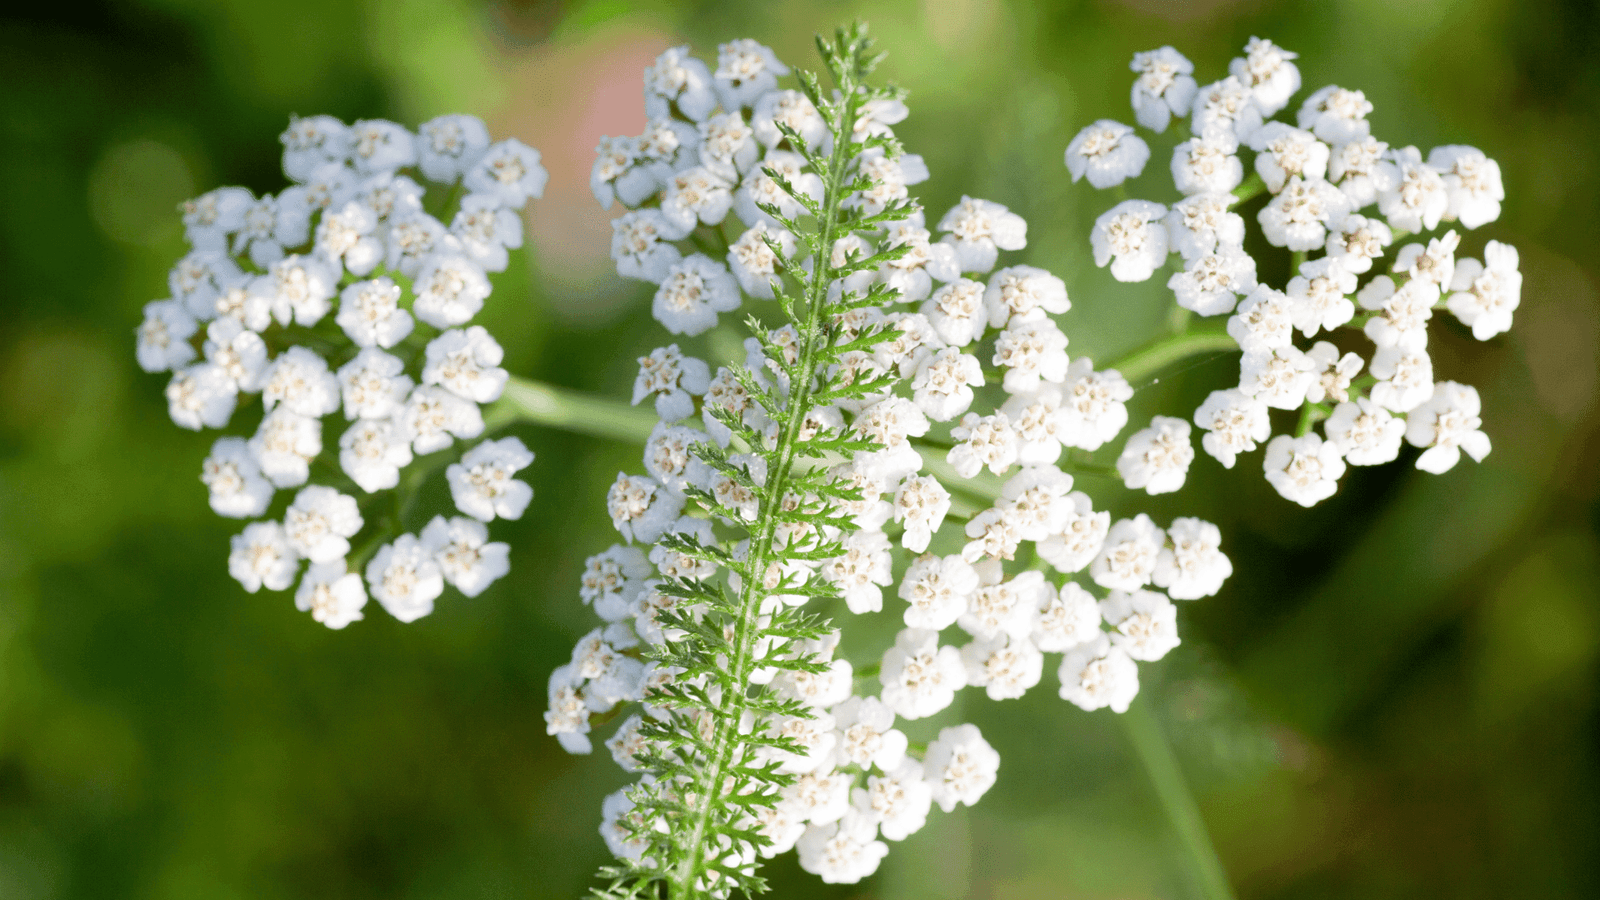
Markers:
<point>665,146</point>
<point>761,187</point>
<point>1080,540</point>
<point>692,293</point>
<point>320,523</point>
<point>1279,377</point>
<point>1193,565</point>
<point>1023,294</point>
<point>1358,168</point>
<point>727,146</point>
<point>920,677</point>
<point>615,174</point>
<point>639,244</point>
<point>612,580</point>
<point>1304,469</point>
<point>1435,263</point>
<point>466,558</point>
<point>209,219</point>
<point>1037,502</point>
<point>1283,151</point>
<point>1031,351</point>
<point>675,564</point>
<point>414,240</point>
<point>284,446</point>
<point>1234,423</point>
<point>1094,408</point>
<point>912,274</point>
<point>1356,243</point>
<point>300,380</point>
<point>817,739</point>
<point>481,484</point>
<point>752,261</point>
<point>201,396</point>
<point>942,386</point>
<point>920,504</point>
<point>937,590</point>
<point>404,577</point>
<point>347,236</point>
<point>867,736</point>
<point>1096,675</point>
<point>1405,376</point>
<point>1472,182</point>
<point>1037,422</point>
<point>862,571</point>
<point>899,798</point>
<point>1486,295</point>
<point>1365,433</point>
<point>332,594</point>
<point>379,146</point>
<point>1212,284</point>
<point>993,533</point>
<point>262,235</point>
<point>374,385</point>
<point>1165,87</point>
<point>1336,115</point>
<point>1405,310</point>
<point>164,336</point>
<point>960,766</point>
<point>790,108</point>
<point>1332,372</point>
<point>312,142</point>
<point>1108,152</point>
<point>1319,296</point>
<point>1301,215</point>
<point>1146,623</point>
<point>821,797</point>
<point>888,178</point>
<point>695,196</point>
<point>678,78</point>
<point>1066,620</point>
<point>1202,223</point>
<point>982,441</point>
<point>301,286</point>
<point>508,171</point>
<point>1447,424</point>
<point>261,557</point>
<point>467,363</point>
<point>240,353</point>
<point>487,231</point>
<point>745,70</point>
<point>450,290</point>
<point>1207,165</point>
<point>199,277</point>
<point>979,229</point>
<point>627,743</point>
<point>1132,237</point>
<point>957,312</point>
<point>1414,197</point>
<point>432,417</point>
<point>641,510</point>
<point>1263,322</point>
<point>1157,458</point>
<point>234,479</point>
<point>1225,110</point>
<point>372,452</point>
<point>448,145</point>
<point>1003,608</point>
<point>842,853</point>
<point>568,715</point>
<point>1127,559</point>
<point>669,457</point>
<point>673,378</point>
<point>1267,70</point>
<point>623,829</point>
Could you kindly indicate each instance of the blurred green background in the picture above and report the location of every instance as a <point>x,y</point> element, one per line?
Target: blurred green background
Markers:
<point>1395,696</point>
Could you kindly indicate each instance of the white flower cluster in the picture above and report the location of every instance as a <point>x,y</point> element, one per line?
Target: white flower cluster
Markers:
<point>343,295</point>
<point>698,181</point>
<point>1323,175</point>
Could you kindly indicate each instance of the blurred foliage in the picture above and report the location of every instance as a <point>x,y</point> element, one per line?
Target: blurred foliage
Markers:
<point>1394,697</point>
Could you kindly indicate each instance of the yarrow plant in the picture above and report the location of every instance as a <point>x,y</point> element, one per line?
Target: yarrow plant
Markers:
<point>905,420</point>
<point>902,417</point>
<point>1341,203</point>
<point>343,305</point>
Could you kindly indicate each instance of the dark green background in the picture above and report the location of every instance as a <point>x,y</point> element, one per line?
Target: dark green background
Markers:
<point>1394,696</point>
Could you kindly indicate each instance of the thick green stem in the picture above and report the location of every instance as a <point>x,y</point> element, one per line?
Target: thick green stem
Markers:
<point>568,410</point>
<point>1249,188</point>
<point>1161,765</point>
<point>1145,362</point>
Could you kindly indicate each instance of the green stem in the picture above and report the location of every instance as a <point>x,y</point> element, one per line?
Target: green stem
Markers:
<point>530,401</point>
<point>1249,188</point>
<point>1145,362</point>
<point>1161,765</point>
